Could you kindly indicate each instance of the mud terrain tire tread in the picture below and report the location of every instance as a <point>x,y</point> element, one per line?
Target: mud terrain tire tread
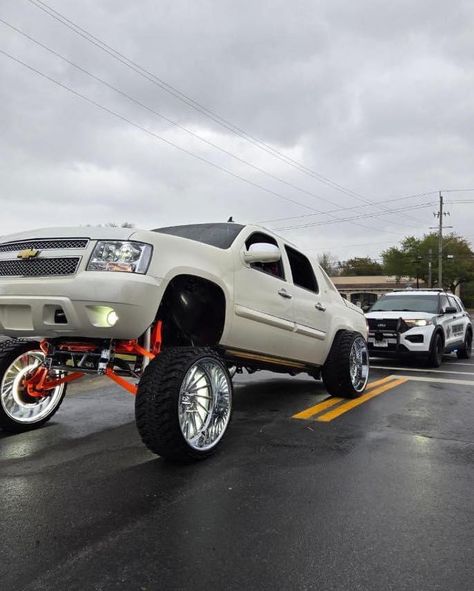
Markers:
<point>336,370</point>
<point>156,403</point>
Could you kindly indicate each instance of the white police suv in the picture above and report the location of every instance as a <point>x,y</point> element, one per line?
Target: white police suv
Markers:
<point>419,322</point>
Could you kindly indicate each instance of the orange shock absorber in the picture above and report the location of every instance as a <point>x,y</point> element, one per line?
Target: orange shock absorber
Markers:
<point>156,338</point>
<point>40,383</point>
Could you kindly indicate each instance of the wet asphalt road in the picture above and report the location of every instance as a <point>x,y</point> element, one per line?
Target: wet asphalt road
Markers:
<point>381,497</point>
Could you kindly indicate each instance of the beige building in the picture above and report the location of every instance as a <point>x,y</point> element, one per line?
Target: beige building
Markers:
<point>364,290</point>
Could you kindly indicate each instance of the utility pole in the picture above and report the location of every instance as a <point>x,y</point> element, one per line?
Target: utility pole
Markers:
<point>440,215</point>
<point>430,257</point>
<point>440,242</point>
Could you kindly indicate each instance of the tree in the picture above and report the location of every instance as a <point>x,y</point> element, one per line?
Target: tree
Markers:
<point>113,225</point>
<point>122,225</point>
<point>361,266</point>
<point>329,263</point>
<point>412,259</point>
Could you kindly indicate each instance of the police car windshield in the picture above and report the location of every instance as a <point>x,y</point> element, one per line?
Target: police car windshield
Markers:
<point>407,303</point>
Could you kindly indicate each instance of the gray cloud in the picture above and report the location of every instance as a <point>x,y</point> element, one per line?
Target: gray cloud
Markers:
<point>376,96</point>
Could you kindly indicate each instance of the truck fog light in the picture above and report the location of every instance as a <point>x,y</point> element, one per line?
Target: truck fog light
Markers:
<point>112,318</point>
<point>102,316</point>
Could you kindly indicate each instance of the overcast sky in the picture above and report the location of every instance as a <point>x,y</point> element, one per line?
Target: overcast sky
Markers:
<point>375,96</point>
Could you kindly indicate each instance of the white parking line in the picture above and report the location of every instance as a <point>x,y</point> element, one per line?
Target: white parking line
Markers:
<point>437,380</point>
<point>417,370</point>
<point>454,362</point>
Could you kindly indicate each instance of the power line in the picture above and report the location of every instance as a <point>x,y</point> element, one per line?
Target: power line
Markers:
<point>172,122</point>
<point>193,103</point>
<point>339,246</point>
<point>158,114</point>
<point>152,133</point>
<point>168,142</point>
<point>306,215</point>
<point>393,199</point>
<point>366,215</point>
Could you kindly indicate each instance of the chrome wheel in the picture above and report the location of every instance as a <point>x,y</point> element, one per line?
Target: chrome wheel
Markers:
<point>16,403</point>
<point>359,364</point>
<point>205,403</point>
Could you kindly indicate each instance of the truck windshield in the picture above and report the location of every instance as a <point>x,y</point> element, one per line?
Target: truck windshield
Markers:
<point>219,235</point>
<point>407,303</point>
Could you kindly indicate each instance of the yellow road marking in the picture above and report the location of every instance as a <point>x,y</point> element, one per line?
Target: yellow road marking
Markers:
<point>313,410</point>
<point>331,401</point>
<point>376,383</point>
<point>332,414</point>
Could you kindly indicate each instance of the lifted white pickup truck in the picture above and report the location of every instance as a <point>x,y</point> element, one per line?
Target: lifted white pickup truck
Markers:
<point>173,309</point>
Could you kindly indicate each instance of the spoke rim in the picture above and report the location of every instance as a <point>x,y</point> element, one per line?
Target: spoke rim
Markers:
<point>14,399</point>
<point>204,404</point>
<point>359,364</point>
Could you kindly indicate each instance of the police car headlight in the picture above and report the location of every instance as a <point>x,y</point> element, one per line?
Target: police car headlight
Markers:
<point>417,322</point>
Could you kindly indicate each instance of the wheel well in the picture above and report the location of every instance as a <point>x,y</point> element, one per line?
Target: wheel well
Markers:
<point>192,311</point>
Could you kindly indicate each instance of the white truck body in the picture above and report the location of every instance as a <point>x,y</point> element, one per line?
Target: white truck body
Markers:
<point>264,314</point>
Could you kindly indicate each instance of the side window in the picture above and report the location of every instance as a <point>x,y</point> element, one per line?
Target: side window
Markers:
<point>443,302</point>
<point>275,269</point>
<point>302,271</point>
<point>453,302</point>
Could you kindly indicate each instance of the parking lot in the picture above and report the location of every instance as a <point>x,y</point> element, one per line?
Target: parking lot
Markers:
<point>308,492</point>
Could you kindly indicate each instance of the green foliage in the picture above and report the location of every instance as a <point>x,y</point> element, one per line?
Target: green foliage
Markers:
<point>329,263</point>
<point>467,294</point>
<point>122,225</point>
<point>412,258</point>
<point>361,266</point>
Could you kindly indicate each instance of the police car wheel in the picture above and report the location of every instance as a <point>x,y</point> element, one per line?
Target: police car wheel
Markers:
<point>465,351</point>
<point>436,352</point>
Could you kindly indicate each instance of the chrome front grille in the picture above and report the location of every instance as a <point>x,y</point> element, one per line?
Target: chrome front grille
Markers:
<point>44,244</point>
<point>45,267</point>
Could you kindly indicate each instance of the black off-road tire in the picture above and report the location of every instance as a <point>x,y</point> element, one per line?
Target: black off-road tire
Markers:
<point>156,403</point>
<point>9,351</point>
<point>336,371</point>
<point>465,351</point>
<point>435,357</point>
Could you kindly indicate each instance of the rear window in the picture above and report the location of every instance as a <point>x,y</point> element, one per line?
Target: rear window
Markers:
<point>219,235</point>
<point>407,303</point>
<point>301,269</point>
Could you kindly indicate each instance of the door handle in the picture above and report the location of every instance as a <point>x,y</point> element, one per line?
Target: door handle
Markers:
<point>320,307</point>
<point>284,294</point>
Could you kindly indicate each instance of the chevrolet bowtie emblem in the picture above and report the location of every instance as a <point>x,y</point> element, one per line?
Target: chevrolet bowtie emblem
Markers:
<point>29,253</point>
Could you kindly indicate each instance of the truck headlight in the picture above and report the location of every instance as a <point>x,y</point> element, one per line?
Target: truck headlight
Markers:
<point>417,322</point>
<point>122,256</point>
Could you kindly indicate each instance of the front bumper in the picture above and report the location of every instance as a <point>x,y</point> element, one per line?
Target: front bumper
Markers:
<point>415,341</point>
<point>78,306</point>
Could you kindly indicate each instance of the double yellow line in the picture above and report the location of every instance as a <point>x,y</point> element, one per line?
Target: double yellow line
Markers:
<point>343,405</point>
